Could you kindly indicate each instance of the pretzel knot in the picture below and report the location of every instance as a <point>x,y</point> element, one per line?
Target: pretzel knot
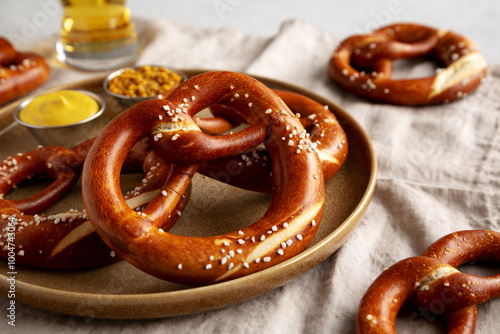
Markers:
<point>286,228</point>
<point>63,240</point>
<point>362,65</point>
<point>252,169</point>
<point>433,284</point>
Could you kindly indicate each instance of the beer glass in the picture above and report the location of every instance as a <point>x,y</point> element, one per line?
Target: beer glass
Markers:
<point>97,34</point>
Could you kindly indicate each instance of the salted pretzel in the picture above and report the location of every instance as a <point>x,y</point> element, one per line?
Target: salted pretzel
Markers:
<point>20,72</point>
<point>65,240</point>
<point>362,64</point>
<point>286,228</point>
<point>251,170</point>
<point>433,284</point>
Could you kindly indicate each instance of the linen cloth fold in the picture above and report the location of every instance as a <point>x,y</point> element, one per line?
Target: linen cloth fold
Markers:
<point>438,173</point>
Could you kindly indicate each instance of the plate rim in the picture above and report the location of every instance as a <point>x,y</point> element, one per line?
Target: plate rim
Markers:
<point>105,305</point>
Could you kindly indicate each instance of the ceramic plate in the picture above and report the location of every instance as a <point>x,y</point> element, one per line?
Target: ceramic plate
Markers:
<point>121,291</point>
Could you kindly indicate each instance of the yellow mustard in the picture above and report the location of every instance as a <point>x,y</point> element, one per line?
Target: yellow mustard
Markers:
<point>59,108</point>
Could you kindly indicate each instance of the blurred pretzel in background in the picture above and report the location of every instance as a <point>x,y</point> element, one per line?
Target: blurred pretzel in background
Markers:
<point>20,72</point>
<point>363,64</point>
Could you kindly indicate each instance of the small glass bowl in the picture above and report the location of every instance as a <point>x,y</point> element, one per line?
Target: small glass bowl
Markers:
<point>68,135</point>
<point>128,101</point>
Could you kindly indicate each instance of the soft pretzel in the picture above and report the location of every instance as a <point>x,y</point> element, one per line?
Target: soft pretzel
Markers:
<point>286,228</point>
<point>58,163</point>
<point>20,73</point>
<point>64,240</point>
<point>431,282</point>
<point>362,64</point>
<point>252,169</point>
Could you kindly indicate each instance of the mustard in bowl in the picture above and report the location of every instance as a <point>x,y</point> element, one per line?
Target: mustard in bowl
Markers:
<point>62,118</point>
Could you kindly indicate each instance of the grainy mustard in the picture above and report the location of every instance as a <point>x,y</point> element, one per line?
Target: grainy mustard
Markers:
<point>144,81</point>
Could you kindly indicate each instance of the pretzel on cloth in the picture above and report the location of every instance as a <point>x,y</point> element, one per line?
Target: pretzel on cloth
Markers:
<point>20,72</point>
<point>433,284</point>
<point>251,170</point>
<point>286,228</point>
<point>65,240</point>
<point>362,64</point>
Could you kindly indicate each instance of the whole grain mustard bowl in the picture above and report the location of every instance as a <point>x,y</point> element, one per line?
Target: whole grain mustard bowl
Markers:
<point>131,85</point>
<point>62,118</point>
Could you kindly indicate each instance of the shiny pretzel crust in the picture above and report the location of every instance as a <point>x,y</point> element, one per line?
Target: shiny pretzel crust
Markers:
<point>362,65</point>
<point>432,283</point>
<point>286,228</point>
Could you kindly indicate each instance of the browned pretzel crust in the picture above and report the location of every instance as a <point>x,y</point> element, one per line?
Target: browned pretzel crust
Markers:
<point>65,240</point>
<point>433,284</point>
<point>287,227</point>
<point>251,170</point>
<point>362,65</point>
<point>20,73</point>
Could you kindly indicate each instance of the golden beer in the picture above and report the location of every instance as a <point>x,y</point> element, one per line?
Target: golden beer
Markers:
<point>97,34</point>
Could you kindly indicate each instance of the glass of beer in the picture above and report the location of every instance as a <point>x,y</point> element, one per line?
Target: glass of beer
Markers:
<point>97,34</point>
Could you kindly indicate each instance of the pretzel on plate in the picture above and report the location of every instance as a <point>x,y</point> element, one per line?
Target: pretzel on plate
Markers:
<point>20,72</point>
<point>433,284</point>
<point>251,170</point>
<point>286,228</point>
<point>362,64</point>
<point>64,240</point>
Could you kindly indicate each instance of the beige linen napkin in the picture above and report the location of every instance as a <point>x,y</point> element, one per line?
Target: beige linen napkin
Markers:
<point>438,173</point>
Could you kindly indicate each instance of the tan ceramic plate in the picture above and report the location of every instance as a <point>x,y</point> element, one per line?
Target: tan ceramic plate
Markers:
<point>122,291</point>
